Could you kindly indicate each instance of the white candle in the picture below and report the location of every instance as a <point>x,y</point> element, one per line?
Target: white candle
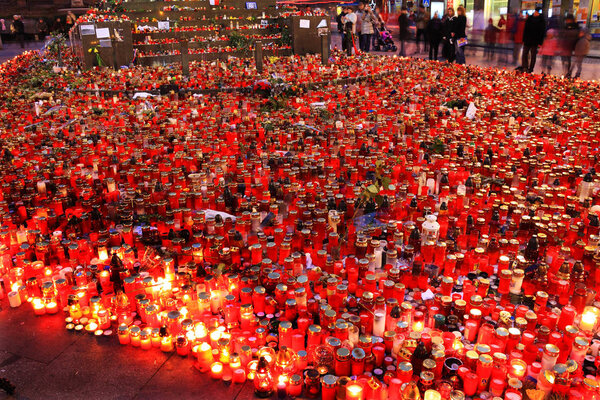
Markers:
<point>41,187</point>
<point>14,299</point>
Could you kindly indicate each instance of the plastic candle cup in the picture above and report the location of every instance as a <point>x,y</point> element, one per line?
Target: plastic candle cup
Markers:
<point>518,368</point>
<point>239,375</point>
<point>123,333</point>
<point>14,299</point>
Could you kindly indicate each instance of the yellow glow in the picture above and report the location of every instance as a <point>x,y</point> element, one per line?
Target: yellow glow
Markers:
<point>418,326</point>
<point>184,312</point>
<point>216,367</point>
<point>37,303</point>
<point>282,379</point>
<point>432,395</point>
<point>102,254</point>
<point>204,347</point>
<point>354,389</point>
<point>15,287</point>
<point>200,330</point>
<point>215,335</point>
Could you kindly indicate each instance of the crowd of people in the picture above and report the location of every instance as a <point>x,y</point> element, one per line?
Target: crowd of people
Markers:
<point>525,35</point>
<point>39,30</point>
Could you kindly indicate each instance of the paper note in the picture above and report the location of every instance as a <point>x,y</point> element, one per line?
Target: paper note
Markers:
<point>163,25</point>
<point>105,43</point>
<point>103,33</point>
<point>305,23</point>
<point>322,24</point>
<point>87,30</point>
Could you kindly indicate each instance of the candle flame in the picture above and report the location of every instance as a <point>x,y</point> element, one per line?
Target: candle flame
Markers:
<point>354,389</point>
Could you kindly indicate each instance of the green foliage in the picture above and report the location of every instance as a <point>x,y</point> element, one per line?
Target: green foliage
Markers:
<point>239,41</point>
<point>286,36</point>
<point>438,147</point>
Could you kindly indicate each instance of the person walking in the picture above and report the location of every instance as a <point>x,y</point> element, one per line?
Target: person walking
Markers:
<point>367,30</point>
<point>434,35</point>
<point>18,28</point>
<point>459,35</point>
<point>568,38</point>
<point>533,37</point>
<point>403,31</point>
<point>448,51</point>
<point>421,21</point>
<point>582,48</point>
<point>490,36</point>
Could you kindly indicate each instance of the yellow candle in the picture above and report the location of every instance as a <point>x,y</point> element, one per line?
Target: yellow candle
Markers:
<point>205,356</point>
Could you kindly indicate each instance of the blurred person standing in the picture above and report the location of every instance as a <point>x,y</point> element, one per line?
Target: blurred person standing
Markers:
<point>459,34</point>
<point>434,35</point>
<point>41,27</point>
<point>18,28</point>
<point>582,48</point>
<point>403,32</point>
<point>533,37</point>
<point>367,30</point>
<point>515,26</point>
<point>448,51</point>
<point>360,13</point>
<point>349,21</point>
<point>421,20</point>
<point>490,36</point>
<point>568,38</point>
<point>549,49</point>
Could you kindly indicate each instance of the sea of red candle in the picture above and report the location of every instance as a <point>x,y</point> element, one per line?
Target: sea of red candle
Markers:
<point>428,230</point>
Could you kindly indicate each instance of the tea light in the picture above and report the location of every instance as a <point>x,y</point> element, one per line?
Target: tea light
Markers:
<point>216,370</point>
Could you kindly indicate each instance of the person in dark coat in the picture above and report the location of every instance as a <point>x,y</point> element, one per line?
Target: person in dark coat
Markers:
<point>41,28</point>
<point>403,33</point>
<point>19,30</point>
<point>448,42</point>
<point>533,37</point>
<point>491,38</point>
<point>459,31</point>
<point>434,35</point>
<point>568,38</point>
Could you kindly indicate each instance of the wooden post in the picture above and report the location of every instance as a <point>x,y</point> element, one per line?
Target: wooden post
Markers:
<point>258,56</point>
<point>185,59</point>
<point>324,49</point>
<point>114,52</point>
